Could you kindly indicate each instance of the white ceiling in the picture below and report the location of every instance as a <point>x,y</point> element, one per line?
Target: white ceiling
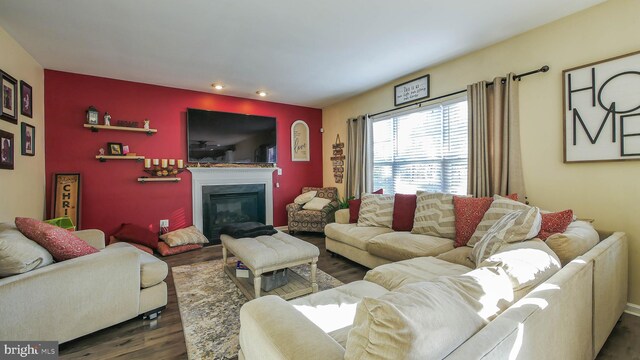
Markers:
<point>311,53</point>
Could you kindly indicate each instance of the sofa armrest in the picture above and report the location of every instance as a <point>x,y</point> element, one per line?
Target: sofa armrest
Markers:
<point>92,237</point>
<point>342,216</point>
<point>293,207</point>
<point>271,328</point>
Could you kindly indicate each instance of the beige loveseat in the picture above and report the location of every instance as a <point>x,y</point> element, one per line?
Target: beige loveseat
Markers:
<point>567,316</point>
<point>65,300</point>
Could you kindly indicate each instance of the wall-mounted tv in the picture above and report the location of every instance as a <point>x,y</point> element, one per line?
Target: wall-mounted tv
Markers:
<point>221,137</point>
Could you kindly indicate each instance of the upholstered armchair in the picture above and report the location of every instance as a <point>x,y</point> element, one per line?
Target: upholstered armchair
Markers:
<point>300,219</point>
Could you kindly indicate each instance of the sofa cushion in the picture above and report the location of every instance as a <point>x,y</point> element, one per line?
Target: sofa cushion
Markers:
<point>133,233</point>
<point>18,254</point>
<point>354,207</point>
<point>527,264</point>
<point>351,234</point>
<point>376,210</point>
<point>424,320</point>
<point>460,255</point>
<point>187,236</point>
<point>394,275</point>
<point>579,238</point>
<point>499,207</point>
<point>316,204</point>
<point>434,215</point>
<point>305,197</point>
<point>60,243</point>
<point>555,223</point>
<point>152,270</point>
<point>512,227</point>
<point>402,245</point>
<point>469,212</point>
<point>404,208</point>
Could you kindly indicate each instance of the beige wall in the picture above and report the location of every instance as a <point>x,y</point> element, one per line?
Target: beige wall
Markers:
<point>22,189</point>
<point>608,192</point>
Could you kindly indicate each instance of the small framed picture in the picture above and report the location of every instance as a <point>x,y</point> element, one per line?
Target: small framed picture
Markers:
<point>6,150</point>
<point>26,102</point>
<point>115,148</point>
<point>28,139</point>
<point>8,87</point>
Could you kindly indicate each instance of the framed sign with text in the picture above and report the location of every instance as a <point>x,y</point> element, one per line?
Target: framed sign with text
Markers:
<point>416,89</point>
<point>66,197</point>
<point>601,106</point>
<point>299,141</point>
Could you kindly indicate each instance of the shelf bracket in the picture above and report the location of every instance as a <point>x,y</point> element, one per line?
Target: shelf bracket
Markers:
<point>149,133</point>
<point>103,160</point>
<point>139,160</point>
<point>94,129</point>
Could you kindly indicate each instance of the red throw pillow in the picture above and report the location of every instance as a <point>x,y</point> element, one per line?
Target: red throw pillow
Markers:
<point>554,223</point>
<point>61,243</point>
<point>166,250</point>
<point>137,234</point>
<point>469,212</point>
<point>404,208</point>
<point>114,240</point>
<point>354,207</point>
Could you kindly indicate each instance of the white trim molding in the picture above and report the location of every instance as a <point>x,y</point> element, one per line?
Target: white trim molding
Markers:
<point>632,309</point>
<point>206,176</point>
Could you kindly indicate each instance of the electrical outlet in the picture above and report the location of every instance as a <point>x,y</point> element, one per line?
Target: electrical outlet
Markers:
<point>279,171</point>
<point>164,223</point>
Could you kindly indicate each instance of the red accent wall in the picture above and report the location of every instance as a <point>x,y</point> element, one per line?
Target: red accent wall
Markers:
<point>111,194</point>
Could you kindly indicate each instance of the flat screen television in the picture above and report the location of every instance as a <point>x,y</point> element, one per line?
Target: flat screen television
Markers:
<point>221,137</point>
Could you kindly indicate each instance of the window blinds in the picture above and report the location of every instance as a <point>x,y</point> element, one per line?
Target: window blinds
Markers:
<point>422,149</point>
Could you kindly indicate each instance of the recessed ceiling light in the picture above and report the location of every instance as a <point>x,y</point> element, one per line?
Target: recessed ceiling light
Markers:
<point>261,93</point>
<point>217,86</point>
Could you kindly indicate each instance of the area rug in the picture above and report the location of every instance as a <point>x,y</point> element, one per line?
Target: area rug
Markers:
<point>210,304</point>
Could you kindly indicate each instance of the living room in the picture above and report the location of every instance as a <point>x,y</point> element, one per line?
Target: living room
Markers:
<point>110,195</point>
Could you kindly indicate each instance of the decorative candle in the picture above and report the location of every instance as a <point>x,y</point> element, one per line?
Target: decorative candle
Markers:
<point>147,163</point>
<point>156,162</point>
<point>172,162</point>
<point>180,163</point>
<point>164,163</point>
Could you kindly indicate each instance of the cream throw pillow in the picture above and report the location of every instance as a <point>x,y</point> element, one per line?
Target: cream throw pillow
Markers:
<point>513,227</point>
<point>316,204</point>
<point>499,207</point>
<point>305,198</point>
<point>186,236</point>
<point>579,238</point>
<point>18,254</point>
<point>434,215</point>
<point>376,210</point>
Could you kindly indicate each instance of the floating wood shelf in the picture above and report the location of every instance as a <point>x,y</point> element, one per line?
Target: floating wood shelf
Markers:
<point>96,128</point>
<point>104,158</point>
<point>158,179</point>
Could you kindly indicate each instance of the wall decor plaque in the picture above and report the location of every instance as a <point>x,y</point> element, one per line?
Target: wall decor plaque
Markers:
<point>601,106</point>
<point>416,89</point>
<point>66,197</point>
<point>299,141</point>
<point>338,160</point>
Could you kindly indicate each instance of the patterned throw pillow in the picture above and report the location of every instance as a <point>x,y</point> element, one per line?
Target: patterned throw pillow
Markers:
<point>515,226</point>
<point>166,250</point>
<point>555,223</point>
<point>434,215</point>
<point>305,198</point>
<point>60,243</point>
<point>186,236</point>
<point>376,210</point>
<point>354,207</point>
<point>499,207</point>
<point>469,212</point>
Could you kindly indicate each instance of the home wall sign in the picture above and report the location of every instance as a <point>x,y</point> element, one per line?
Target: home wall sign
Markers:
<point>416,89</point>
<point>601,106</point>
<point>66,197</point>
<point>337,160</point>
<point>299,141</point>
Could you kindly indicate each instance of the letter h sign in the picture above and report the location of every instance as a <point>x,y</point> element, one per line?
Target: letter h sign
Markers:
<point>601,105</point>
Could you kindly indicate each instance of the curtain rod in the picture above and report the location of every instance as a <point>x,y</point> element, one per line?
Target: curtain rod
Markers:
<point>545,68</point>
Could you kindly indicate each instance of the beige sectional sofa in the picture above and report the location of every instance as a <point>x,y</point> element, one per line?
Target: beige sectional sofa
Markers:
<point>65,300</point>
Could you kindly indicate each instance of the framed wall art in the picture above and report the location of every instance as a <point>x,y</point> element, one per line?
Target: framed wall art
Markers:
<point>299,141</point>
<point>26,102</point>
<point>9,87</point>
<point>6,150</point>
<point>28,137</point>
<point>66,197</point>
<point>114,149</point>
<point>416,89</point>
<point>601,106</point>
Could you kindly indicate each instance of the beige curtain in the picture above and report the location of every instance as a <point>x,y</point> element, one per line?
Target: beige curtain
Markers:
<point>495,161</point>
<point>359,177</point>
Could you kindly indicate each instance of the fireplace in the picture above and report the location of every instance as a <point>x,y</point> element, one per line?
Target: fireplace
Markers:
<point>227,204</point>
<point>230,194</point>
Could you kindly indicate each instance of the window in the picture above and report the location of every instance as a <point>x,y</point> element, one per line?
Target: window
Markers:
<point>422,149</point>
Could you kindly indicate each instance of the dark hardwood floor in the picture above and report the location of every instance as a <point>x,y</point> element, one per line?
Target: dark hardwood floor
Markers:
<point>163,338</point>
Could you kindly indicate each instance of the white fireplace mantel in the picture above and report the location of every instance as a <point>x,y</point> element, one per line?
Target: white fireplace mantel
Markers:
<point>207,176</point>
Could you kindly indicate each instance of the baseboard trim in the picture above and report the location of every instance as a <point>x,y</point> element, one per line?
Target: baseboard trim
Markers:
<point>282,228</point>
<point>632,309</point>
